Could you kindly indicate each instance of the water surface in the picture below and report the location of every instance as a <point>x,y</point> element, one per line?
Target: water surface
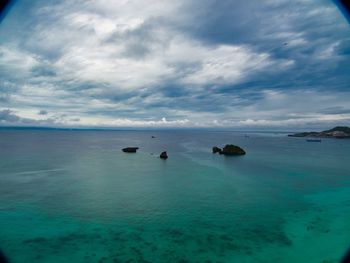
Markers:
<point>74,196</point>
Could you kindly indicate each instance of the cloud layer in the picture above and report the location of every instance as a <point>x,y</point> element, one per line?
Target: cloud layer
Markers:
<point>175,64</point>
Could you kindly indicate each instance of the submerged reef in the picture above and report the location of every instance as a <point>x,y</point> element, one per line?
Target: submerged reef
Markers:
<point>166,243</point>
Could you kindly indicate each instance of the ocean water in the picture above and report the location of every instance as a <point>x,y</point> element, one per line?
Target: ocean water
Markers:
<point>74,196</point>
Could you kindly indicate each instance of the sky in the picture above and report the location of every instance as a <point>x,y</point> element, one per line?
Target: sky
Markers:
<point>235,64</point>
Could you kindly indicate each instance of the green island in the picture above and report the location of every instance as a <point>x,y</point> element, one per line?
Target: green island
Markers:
<point>340,132</point>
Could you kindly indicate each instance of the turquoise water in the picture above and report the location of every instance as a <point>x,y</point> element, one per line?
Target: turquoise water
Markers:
<point>74,196</point>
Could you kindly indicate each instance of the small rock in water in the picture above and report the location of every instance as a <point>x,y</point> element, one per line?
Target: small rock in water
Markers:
<point>130,149</point>
<point>163,155</point>
<point>153,137</point>
<point>216,149</point>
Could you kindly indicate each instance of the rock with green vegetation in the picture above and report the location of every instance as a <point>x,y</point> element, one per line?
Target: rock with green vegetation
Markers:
<point>340,132</point>
<point>231,149</point>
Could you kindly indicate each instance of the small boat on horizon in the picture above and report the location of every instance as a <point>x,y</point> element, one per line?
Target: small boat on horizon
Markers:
<point>313,140</point>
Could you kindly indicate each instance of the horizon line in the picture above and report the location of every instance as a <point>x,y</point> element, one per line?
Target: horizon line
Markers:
<point>216,129</point>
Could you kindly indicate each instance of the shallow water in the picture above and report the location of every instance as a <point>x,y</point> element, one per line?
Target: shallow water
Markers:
<point>74,196</point>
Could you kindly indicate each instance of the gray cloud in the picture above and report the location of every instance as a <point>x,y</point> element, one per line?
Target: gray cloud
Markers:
<point>6,116</point>
<point>335,110</point>
<point>42,112</point>
<point>207,63</point>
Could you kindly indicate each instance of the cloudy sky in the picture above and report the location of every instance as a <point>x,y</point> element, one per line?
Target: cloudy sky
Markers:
<point>186,63</point>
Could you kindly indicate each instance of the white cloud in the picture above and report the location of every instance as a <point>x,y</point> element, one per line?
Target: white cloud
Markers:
<point>82,34</point>
<point>14,60</point>
<point>226,65</point>
<point>129,63</point>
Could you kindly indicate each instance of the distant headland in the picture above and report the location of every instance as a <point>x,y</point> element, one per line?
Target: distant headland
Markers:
<point>340,132</point>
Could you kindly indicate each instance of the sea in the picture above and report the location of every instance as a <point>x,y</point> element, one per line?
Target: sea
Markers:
<point>74,196</point>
